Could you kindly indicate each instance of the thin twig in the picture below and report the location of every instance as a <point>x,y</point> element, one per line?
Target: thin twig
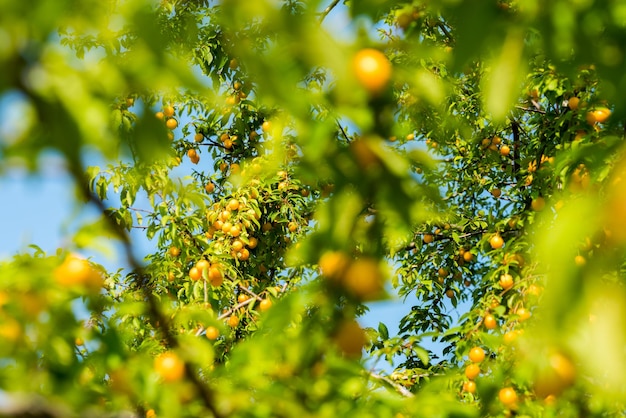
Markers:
<point>530,109</point>
<point>234,308</point>
<point>401,389</point>
<point>343,132</point>
<point>327,10</point>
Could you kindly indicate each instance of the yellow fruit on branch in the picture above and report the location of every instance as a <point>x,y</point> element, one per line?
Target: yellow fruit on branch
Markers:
<point>76,271</point>
<point>171,123</point>
<point>372,70</point>
<point>472,371</point>
<point>333,264</point>
<point>169,366</point>
<point>496,242</point>
<point>168,111</point>
<point>469,386</point>
<point>265,305</point>
<point>350,338</point>
<point>598,116</point>
<point>506,281</point>
<point>477,354</point>
<point>538,204</point>
<point>508,397</point>
<point>212,333</point>
<point>364,279</point>
<point>490,322</point>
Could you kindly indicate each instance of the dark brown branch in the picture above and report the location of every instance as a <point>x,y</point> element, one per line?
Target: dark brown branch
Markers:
<point>343,132</point>
<point>159,320</point>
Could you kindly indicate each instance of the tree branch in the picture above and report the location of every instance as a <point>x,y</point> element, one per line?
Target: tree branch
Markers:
<point>399,388</point>
<point>159,320</point>
<point>329,9</point>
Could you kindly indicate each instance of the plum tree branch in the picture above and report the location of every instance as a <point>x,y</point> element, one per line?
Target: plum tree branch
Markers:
<point>158,319</point>
<point>399,388</point>
<point>329,9</point>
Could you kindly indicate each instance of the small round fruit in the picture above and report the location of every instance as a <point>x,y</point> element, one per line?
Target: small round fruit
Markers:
<point>333,264</point>
<point>538,204</point>
<point>522,313</point>
<point>159,115</point>
<point>506,281</point>
<point>203,265</point>
<point>490,322</point>
<point>224,215</point>
<point>252,243</point>
<point>198,137</point>
<point>508,397</point>
<point>169,366</point>
<point>573,103</point>
<point>472,371</point>
<point>235,231</point>
<point>266,126</point>
<point>168,111</point>
<point>598,116</point>
<point>265,305</point>
<point>350,338</point>
<point>496,193</point>
<point>505,150</point>
<point>469,386</point>
<point>293,227</point>
<point>364,279</point>
<point>372,70</point>
<point>468,256</point>
<point>243,255</point>
<point>210,187</point>
<point>428,238</point>
<point>193,155</point>
<point>76,271</point>
<point>150,413</point>
<point>580,261</point>
<point>195,274</point>
<point>171,124</point>
<point>174,251</point>
<point>450,293</point>
<point>237,245</point>
<point>242,298</point>
<point>233,64</point>
<point>496,242</point>
<point>477,354</point>
<point>212,333</point>
<point>233,204</point>
<point>233,321</point>
<point>215,276</point>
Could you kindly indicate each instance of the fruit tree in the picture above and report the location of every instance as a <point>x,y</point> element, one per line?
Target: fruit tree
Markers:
<point>292,165</point>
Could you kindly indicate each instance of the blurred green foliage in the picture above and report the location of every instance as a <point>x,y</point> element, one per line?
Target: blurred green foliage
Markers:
<point>483,185</point>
